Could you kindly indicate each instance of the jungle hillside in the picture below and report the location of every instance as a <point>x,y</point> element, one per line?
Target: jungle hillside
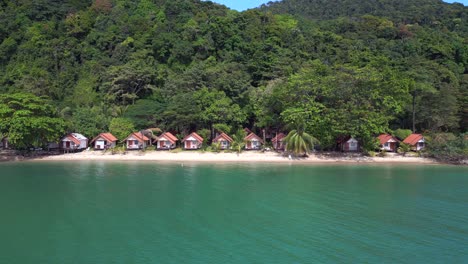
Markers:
<point>328,67</point>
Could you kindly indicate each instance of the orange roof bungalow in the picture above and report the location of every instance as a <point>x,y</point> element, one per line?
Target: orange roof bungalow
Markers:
<point>388,142</point>
<point>104,141</point>
<point>192,141</point>
<point>416,141</point>
<point>136,140</point>
<point>223,140</point>
<point>253,142</point>
<point>348,144</point>
<point>278,141</point>
<point>166,141</point>
<point>74,141</point>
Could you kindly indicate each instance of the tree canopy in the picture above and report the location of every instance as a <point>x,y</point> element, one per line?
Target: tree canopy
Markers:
<point>349,67</point>
<point>28,120</point>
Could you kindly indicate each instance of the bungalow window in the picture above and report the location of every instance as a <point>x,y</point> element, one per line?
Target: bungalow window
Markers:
<point>352,144</point>
<point>421,144</point>
<point>386,144</point>
<point>224,143</point>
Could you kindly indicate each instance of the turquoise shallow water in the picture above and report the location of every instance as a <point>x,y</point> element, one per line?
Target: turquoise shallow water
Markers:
<point>97,212</point>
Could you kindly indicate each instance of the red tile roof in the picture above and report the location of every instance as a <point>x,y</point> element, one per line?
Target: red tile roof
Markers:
<point>72,138</point>
<point>413,139</point>
<point>139,136</point>
<point>224,136</point>
<point>168,136</point>
<point>251,136</point>
<point>384,138</point>
<point>107,136</point>
<point>278,137</point>
<point>194,135</point>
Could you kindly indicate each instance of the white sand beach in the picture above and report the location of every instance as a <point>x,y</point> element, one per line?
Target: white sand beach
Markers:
<point>246,156</point>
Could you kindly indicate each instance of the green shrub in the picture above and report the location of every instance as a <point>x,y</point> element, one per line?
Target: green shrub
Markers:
<point>205,134</point>
<point>215,147</point>
<point>223,128</point>
<point>447,147</point>
<point>371,153</point>
<point>402,133</point>
<point>404,148</point>
<point>383,153</point>
<point>118,150</point>
<point>370,144</point>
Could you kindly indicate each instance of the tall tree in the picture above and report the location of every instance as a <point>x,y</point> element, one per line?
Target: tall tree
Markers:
<point>28,120</point>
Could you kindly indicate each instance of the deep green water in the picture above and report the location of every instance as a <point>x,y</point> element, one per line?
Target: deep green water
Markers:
<point>97,212</point>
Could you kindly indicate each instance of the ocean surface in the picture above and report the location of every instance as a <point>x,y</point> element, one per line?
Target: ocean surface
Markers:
<point>147,212</point>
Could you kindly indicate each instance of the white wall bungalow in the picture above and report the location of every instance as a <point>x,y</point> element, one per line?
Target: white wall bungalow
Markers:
<point>136,141</point>
<point>104,141</point>
<point>388,142</point>
<point>166,141</point>
<point>278,141</point>
<point>193,141</point>
<point>348,144</point>
<point>253,142</point>
<point>74,141</point>
<point>416,141</point>
<point>223,140</point>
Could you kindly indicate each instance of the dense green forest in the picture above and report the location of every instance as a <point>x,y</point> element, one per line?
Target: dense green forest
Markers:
<point>331,68</point>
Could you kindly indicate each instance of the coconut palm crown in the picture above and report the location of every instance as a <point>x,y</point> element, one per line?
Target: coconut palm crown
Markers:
<point>238,142</point>
<point>299,142</point>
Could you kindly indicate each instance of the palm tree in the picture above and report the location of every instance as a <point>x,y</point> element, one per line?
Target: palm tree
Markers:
<point>299,142</point>
<point>238,142</point>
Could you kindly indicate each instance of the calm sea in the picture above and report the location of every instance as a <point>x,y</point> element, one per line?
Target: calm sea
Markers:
<point>133,212</point>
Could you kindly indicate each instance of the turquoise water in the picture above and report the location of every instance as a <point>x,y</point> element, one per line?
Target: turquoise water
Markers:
<point>97,212</point>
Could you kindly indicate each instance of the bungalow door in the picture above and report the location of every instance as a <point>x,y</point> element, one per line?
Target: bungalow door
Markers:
<point>67,144</point>
<point>188,144</point>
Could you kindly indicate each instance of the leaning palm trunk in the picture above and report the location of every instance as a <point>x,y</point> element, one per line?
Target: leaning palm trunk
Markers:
<point>299,142</point>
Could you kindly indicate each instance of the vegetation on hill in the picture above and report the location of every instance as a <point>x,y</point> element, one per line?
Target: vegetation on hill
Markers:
<point>345,67</point>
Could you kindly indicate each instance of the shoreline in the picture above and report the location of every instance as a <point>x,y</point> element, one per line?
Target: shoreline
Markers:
<point>228,157</point>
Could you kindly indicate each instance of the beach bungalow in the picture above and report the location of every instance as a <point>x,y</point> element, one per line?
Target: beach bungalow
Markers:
<point>278,141</point>
<point>4,143</point>
<point>136,140</point>
<point>348,144</point>
<point>192,141</point>
<point>166,141</point>
<point>253,142</point>
<point>416,141</point>
<point>74,141</point>
<point>388,142</point>
<point>223,140</point>
<point>104,141</point>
